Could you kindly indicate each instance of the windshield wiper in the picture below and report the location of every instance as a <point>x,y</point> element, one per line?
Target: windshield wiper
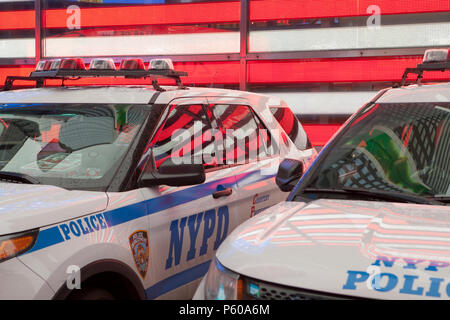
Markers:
<point>442,199</point>
<point>378,194</point>
<point>407,197</point>
<point>17,177</point>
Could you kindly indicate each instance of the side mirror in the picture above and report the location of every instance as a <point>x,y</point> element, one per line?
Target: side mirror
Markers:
<point>174,175</point>
<point>289,172</point>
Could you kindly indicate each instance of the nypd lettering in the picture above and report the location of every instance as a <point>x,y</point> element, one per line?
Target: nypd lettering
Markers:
<point>209,221</point>
<point>82,226</point>
<point>405,283</point>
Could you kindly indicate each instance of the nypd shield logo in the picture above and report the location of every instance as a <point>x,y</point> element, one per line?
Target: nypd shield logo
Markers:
<point>139,247</point>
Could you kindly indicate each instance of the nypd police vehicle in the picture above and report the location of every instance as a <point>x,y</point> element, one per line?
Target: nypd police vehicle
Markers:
<point>127,191</point>
<point>370,218</point>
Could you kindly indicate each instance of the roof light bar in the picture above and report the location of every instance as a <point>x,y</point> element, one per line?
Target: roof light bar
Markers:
<point>433,60</point>
<point>74,69</point>
<point>161,64</point>
<point>436,55</point>
<point>132,64</point>
<point>102,64</point>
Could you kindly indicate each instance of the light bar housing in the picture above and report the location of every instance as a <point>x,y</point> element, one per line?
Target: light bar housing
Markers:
<point>436,55</point>
<point>161,64</point>
<point>55,64</point>
<point>40,65</point>
<point>102,64</point>
<point>74,69</point>
<point>47,65</point>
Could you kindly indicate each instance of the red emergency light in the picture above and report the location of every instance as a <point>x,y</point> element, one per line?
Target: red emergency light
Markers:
<point>72,64</point>
<point>132,64</point>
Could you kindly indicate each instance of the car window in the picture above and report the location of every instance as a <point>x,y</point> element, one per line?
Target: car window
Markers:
<point>292,126</point>
<point>393,147</point>
<point>75,146</point>
<point>245,137</point>
<point>185,137</point>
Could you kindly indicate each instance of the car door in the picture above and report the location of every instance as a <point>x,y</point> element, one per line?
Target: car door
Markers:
<point>187,224</point>
<point>250,152</point>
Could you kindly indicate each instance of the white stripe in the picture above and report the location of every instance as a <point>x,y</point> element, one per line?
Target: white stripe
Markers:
<point>412,246</point>
<point>293,242</point>
<point>391,36</point>
<point>330,216</point>
<point>410,227</point>
<point>281,236</point>
<point>165,44</point>
<point>338,241</point>
<point>332,226</point>
<point>318,234</point>
<point>381,235</point>
<point>17,48</point>
<point>250,233</point>
<point>324,102</point>
<point>335,234</point>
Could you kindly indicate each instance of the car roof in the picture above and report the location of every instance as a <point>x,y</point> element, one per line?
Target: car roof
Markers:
<point>119,94</point>
<point>437,92</point>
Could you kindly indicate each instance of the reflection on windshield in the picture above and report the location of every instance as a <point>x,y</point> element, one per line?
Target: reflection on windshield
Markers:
<point>72,146</point>
<point>392,147</point>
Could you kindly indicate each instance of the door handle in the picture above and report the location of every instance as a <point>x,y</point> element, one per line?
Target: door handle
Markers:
<point>222,193</point>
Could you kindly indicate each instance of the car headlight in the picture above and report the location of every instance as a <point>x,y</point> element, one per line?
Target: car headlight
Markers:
<point>221,283</point>
<point>14,244</point>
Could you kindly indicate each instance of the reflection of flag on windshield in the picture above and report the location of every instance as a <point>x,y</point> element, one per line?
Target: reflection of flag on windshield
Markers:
<point>406,149</point>
<point>382,149</point>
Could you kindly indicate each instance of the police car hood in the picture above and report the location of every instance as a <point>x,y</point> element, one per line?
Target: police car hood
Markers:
<point>351,248</point>
<point>25,206</point>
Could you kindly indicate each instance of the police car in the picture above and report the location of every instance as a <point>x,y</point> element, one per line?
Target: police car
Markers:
<point>127,191</point>
<point>370,218</point>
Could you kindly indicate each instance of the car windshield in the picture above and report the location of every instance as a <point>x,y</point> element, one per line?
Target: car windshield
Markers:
<point>74,146</point>
<point>392,148</point>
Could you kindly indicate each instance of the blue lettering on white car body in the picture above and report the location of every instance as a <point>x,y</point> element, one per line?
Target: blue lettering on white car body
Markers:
<point>406,283</point>
<point>82,226</point>
<point>210,219</point>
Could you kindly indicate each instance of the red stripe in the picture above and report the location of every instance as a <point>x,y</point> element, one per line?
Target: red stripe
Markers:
<point>336,70</point>
<point>287,121</point>
<point>216,12</point>
<point>16,71</point>
<point>294,9</point>
<point>17,20</point>
<point>319,134</point>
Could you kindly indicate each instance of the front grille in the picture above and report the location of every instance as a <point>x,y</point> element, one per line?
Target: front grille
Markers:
<point>259,290</point>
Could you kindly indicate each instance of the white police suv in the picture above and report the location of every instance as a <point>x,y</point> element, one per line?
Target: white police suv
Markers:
<point>370,218</point>
<point>127,191</point>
